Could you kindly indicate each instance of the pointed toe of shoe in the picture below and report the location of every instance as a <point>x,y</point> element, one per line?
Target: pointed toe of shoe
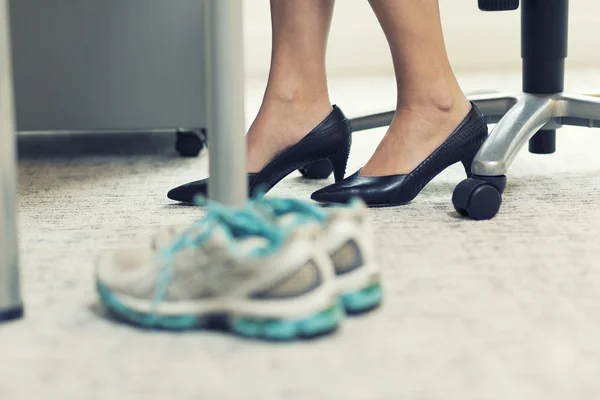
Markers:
<point>186,193</point>
<point>333,194</point>
<point>374,191</point>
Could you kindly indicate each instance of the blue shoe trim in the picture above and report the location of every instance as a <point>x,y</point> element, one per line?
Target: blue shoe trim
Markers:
<point>362,300</point>
<point>284,329</point>
<point>322,322</point>
<point>245,327</point>
<point>179,322</point>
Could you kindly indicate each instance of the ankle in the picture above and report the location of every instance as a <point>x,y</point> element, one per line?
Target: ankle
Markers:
<point>297,109</point>
<point>441,98</point>
<point>295,94</point>
<point>429,120</point>
<point>435,112</point>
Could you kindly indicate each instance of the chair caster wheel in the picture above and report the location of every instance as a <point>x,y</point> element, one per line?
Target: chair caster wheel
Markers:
<point>190,143</point>
<point>318,170</point>
<point>479,197</point>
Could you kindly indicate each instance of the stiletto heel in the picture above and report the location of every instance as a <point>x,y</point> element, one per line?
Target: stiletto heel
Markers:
<point>339,160</point>
<point>467,162</point>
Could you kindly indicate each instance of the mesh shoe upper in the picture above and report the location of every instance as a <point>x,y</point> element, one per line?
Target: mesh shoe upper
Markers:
<point>345,229</point>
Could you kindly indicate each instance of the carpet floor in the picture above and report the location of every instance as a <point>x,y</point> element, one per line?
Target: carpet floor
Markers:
<point>502,309</point>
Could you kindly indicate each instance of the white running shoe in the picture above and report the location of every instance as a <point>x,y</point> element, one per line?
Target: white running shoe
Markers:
<point>261,279</point>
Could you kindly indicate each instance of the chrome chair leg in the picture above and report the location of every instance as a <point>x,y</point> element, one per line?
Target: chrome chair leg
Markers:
<point>521,122</point>
<point>578,110</point>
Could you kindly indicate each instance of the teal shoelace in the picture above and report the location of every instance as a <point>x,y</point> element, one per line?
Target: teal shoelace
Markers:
<point>280,207</point>
<point>236,223</point>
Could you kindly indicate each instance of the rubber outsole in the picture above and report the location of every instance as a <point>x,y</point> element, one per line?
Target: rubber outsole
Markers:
<point>318,324</point>
<point>363,300</point>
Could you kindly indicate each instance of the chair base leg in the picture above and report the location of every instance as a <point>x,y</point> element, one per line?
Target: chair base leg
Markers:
<point>530,114</point>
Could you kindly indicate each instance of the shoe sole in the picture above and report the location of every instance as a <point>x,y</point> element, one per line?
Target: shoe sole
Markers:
<point>363,300</point>
<point>317,324</point>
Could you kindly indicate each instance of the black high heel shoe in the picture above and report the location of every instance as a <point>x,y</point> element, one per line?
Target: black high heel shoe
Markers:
<point>329,141</point>
<point>383,191</point>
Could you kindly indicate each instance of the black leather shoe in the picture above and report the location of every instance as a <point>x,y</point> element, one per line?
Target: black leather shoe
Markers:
<point>384,191</point>
<point>330,140</point>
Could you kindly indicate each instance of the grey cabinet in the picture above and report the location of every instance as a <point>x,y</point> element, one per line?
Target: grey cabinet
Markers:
<point>119,65</point>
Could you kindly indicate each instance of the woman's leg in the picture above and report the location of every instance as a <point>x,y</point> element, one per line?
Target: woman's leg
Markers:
<point>296,98</point>
<point>430,103</point>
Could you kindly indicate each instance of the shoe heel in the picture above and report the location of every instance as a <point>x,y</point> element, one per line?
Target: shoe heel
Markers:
<point>467,162</point>
<point>339,160</point>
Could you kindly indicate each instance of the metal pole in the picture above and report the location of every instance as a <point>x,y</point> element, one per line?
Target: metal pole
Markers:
<point>11,306</point>
<point>224,53</point>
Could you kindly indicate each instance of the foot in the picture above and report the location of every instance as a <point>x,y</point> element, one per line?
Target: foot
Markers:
<point>279,125</point>
<point>413,135</point>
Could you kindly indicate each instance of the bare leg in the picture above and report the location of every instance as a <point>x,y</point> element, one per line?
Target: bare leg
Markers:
<point>296,98</point>
<point>430,103</point>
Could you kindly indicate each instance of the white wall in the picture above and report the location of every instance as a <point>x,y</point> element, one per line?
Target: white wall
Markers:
<point>475,40</point>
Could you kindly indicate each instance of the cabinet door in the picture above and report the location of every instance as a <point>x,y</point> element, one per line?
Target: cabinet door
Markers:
<point>107,65</point>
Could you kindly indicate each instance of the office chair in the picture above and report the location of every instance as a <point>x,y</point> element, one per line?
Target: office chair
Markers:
<point>533,115</point>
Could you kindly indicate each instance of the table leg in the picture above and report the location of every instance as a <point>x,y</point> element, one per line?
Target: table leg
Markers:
<point>10,293</point>
<point>224,53</point>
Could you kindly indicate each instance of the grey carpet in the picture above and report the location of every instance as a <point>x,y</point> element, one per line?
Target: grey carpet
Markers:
<point>504,309</point>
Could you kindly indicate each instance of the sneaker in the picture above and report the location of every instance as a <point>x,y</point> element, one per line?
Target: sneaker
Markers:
<point>232,267</point>
<point>347,234</point>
